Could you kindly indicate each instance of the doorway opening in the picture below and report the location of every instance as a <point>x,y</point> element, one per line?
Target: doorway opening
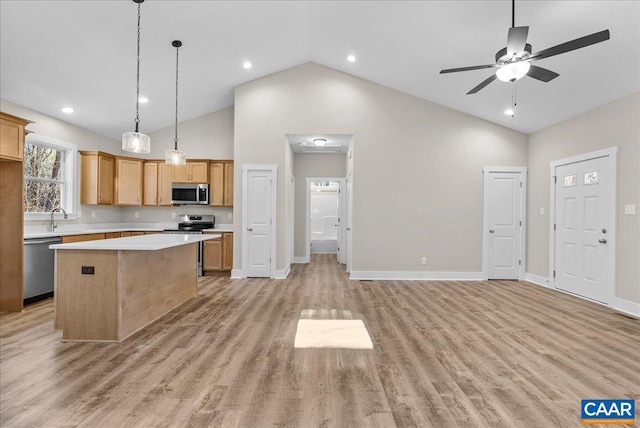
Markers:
<point>325,216</point>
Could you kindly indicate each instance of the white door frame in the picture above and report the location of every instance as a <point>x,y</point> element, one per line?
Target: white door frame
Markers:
<point>486,239</point>
<point>245,220</point>
<point>341,210</point>
<point>612,153</point>
<point>292,217</point>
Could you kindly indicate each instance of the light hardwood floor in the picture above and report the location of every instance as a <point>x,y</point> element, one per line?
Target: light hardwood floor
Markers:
<point>466,354</point>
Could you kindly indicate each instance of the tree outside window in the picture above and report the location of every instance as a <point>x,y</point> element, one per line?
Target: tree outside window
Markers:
<point>44,176</point>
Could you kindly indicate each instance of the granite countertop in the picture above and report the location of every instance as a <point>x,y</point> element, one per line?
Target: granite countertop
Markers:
<point>137,243</point>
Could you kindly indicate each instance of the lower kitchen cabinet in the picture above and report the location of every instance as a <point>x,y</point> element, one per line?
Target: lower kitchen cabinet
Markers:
<point>82,238</point>
<point>218,253</point>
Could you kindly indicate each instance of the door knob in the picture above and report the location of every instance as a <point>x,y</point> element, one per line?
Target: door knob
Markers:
<point>604,230</point>
<point>250,229</point>
<point>491,230</point>
<point>348,228</point>
<point>602,241</point>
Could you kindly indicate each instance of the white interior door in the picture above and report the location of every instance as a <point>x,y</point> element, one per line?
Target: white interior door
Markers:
<point>259,221</point>
<point>349,223</point>
<point>504,222</point>
<point>582,228</point>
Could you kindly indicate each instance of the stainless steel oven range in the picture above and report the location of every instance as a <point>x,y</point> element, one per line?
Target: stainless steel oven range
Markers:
<point>194,225</point>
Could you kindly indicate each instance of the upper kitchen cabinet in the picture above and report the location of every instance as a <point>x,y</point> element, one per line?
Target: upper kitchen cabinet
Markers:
<point>12,134</point>
<point>96,182</point>
<point>221,183</point>
<point>128,181</point>
<point>150,184</point>
<point>192,172</point>
<point>165,178</point>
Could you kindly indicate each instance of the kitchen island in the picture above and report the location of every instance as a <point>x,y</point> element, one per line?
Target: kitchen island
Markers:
<point>107,290</point>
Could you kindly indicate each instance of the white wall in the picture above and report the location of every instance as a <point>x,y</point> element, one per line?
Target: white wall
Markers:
<point>416,161</point>
<point>614,124</point>
<point>311,165</point>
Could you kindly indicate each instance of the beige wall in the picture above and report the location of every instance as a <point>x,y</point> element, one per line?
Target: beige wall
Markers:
<point>205,137</point>
<point>311,165</point>
<point>412,156</point>
<point>614,124</point>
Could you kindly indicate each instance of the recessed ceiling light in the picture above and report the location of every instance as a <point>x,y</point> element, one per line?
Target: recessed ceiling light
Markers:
<point>143,100</point>
<point>351,58</point>
<point>509,112</point>
<point>68,109</point>
<point>246,65</point>
<point>319,141</point>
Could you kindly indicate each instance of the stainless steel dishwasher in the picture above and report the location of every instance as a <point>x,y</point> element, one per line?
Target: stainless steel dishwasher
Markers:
<point>38,268</point>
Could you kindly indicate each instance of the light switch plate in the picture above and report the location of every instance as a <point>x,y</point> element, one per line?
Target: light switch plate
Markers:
<point>630,209</point>
<point>229,216</point>
<point>136,214</point>
<point>541,211</point>
<point>173,215</point>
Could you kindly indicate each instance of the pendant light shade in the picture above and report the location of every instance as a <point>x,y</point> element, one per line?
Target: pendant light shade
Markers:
<point>175,156</point>
<point>137,142</point>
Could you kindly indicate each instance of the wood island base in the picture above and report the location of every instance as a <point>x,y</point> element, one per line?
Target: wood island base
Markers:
<point>126,291</point>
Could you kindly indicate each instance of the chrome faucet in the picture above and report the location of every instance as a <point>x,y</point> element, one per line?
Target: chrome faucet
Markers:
<point>53,225</point>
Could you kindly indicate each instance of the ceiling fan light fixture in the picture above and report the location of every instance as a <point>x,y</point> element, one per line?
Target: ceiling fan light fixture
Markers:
<point>513,71</point>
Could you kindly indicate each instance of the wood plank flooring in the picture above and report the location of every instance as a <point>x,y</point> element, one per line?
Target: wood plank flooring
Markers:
<point>446,354</point>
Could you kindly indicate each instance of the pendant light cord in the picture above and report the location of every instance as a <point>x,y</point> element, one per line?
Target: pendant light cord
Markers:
<point>138,74</point>
<point>175,140</point>
<point>513,13</point>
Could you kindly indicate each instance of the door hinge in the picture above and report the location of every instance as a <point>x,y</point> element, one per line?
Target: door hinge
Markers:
<point>521,184</point>
<point>554,273</point>
<point>520,222</point>
<point>555,178</point>
<point>554,226</point>
<point>520,262</point>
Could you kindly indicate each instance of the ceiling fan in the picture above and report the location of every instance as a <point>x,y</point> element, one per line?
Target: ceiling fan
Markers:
<point>514,61</point>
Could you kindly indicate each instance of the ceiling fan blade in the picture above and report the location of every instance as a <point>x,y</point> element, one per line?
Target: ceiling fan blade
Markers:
<point>474,67</point>
<point>541,74</point>
<point>516,40</point>
<point>483,84</point>
<point>582,42</point>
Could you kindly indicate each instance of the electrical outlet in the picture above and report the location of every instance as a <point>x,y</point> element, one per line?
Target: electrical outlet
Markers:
<point>229,216</point>
<point>424,260</point>
<point>88,270</point>
<point>173,215</point>
<point>93,214</point>
<point>136,214</point>
<point>630,209</point>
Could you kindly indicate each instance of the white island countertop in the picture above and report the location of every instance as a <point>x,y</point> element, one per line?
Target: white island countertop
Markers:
<point>137,243</point>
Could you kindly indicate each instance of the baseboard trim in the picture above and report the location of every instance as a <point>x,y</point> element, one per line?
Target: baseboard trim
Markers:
<point>537,279</point>
<point>419,276</point>
<point>302,259</point>
<point>282,274</point>
<point>627,307</point>
<point>237,274</point>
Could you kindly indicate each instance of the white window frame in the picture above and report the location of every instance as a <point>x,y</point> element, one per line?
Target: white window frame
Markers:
<point>70,179</point>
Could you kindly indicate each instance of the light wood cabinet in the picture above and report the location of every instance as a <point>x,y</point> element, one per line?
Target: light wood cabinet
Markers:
<point>12,134</point>
<point>150,184</point>
<point>218,253</point>
<point>192,172</point>
<point>82,238</point>
<point>212,255</point>
<point>96,178</point>
<point>128,181</point>
<point>165,178</point>
<point>221,183</point>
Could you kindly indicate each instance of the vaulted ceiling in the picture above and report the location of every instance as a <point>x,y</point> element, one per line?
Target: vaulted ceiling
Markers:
<point>82,54</point>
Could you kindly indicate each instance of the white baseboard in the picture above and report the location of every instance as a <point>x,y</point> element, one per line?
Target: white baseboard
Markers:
<point>536,279</point>
<point>626,306</point>
<point>237,274</point>
<point>407,275</point>
<point>302,259</point>
<point>282,274</point>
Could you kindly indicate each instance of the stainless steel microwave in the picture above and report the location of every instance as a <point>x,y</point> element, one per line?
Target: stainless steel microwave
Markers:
<point>189,194</point>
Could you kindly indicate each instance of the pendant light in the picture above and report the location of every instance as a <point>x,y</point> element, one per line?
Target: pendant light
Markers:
<point>175,156</point>
<point>135,141</point>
